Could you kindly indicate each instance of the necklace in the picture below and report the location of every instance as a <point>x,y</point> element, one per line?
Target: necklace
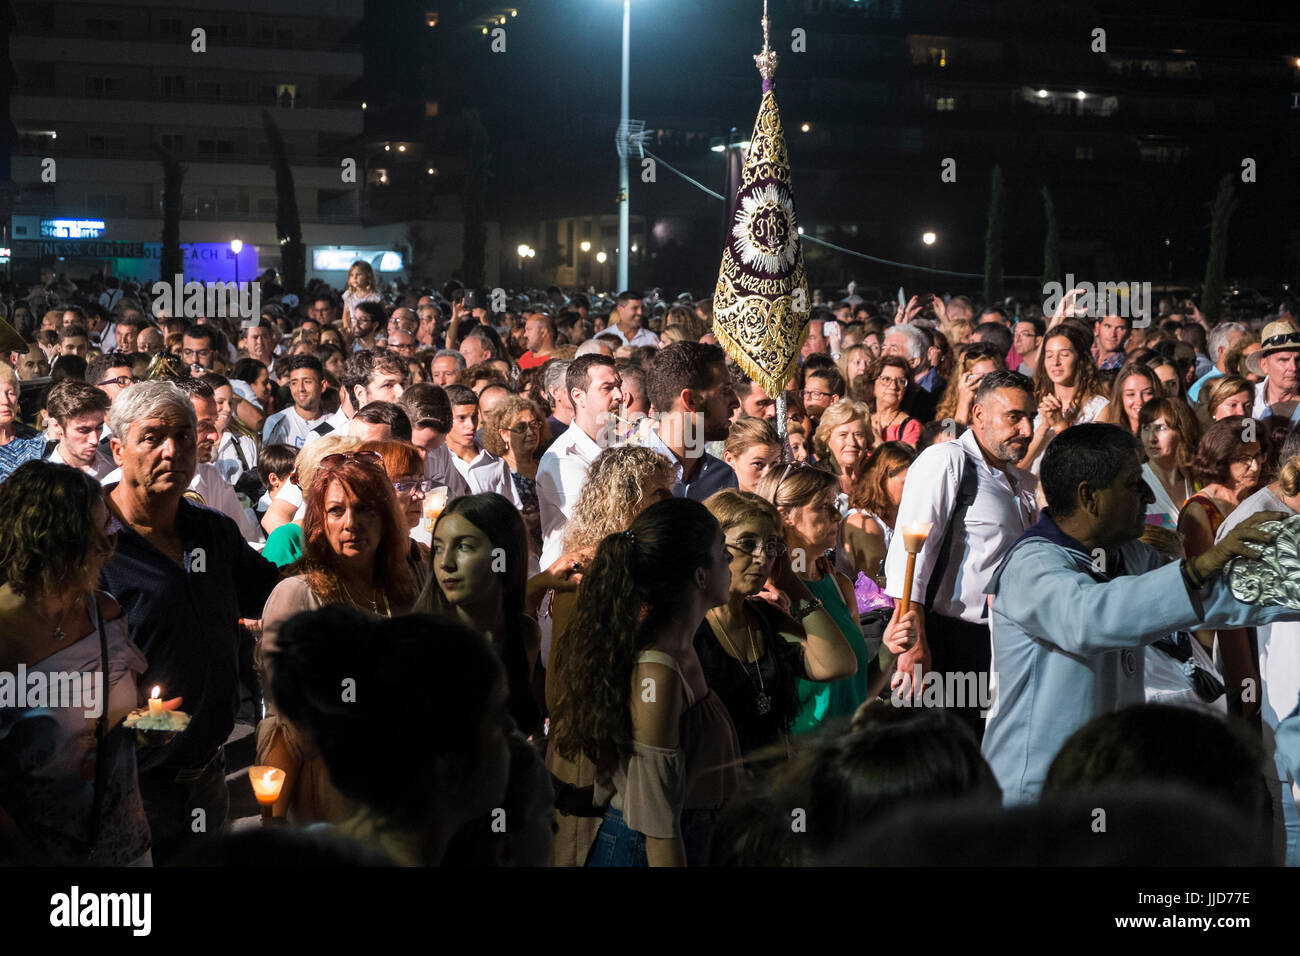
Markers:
<point>762,702</point>
<point>374,602</point>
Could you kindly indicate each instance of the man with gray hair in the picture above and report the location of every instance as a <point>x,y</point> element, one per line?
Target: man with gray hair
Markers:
<point>446,365</point>
<point>1222,338</point>
<point>185,577</point>
<point>911,344</point>
<point>554,375</point>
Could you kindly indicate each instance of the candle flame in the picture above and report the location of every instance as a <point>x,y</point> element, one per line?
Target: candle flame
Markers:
<point>267,777</point>
<point>156,691</point>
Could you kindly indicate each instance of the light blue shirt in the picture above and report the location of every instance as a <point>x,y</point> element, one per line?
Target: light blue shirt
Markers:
<point>1067,646</point>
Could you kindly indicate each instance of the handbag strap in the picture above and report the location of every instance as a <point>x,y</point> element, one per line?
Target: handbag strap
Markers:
<point>101,734</point>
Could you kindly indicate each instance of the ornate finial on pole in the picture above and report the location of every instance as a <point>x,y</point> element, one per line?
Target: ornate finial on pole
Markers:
<point>766,61</point>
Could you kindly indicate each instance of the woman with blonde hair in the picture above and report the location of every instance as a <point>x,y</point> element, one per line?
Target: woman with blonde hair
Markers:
<point>1223,397</point>
<point>804,496</point>
<point>674,333</point>
<point>976,361</point>
<point>752,447</point>
<point>693,327</point>
<point>752,652</point>
<point>512,431</point>
<point>842,438</point>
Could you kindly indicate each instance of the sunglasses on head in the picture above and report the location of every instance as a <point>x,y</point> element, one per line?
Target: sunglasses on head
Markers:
<point>338,458</point>
<point>1286,338</point>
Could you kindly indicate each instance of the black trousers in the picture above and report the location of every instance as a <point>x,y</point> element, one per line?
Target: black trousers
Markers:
<point>958,647</point>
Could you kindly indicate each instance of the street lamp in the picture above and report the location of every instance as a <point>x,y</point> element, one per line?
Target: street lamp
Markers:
<point>585,246</point>
<point>236,246</point>
<point>928,238</point>
<point>622,158</point>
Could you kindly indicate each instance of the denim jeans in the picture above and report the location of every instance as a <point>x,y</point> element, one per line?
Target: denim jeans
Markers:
<point>617,844</point>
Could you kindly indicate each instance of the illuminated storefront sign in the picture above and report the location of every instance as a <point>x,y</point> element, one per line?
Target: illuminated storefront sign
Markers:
<point>72,228</point>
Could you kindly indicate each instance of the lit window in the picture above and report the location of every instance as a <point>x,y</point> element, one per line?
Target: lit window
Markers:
<point>945,104</point>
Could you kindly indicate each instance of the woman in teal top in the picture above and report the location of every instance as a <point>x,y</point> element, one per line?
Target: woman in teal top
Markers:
<point>284,545</point>
<point>805,497</point>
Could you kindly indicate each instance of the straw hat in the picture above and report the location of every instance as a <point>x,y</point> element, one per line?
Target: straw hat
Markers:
<point>1279,336</point>
<point>10,340</point>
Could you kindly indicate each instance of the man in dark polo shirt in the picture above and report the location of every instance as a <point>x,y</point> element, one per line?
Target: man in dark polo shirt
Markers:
<point>185,576</point>
<point>691,399</point>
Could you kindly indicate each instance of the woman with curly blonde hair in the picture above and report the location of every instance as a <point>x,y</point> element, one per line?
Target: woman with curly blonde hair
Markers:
<point>976,361</point>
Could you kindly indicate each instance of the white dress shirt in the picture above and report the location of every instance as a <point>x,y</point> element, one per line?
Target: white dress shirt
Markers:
<point>999,514</point>
<point>99,469</point>
<point>488,473</point>
<point>643,337</point>
<point>289,428</point>
<point>228,459</point>
<point>560,477</point>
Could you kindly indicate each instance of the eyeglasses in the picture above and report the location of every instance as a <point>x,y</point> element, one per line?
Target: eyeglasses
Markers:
<point>815,393</point>
<point>338,458</point>
<point>893,381</point>
<point>122,380</point>
<point>757,547</point>
<point>196,353</point>
<point>406,485</point>
<point>524,428</point>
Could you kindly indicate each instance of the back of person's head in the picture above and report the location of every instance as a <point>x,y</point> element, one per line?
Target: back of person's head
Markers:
<point>1136,825</point>
<point>386,413</point>
<point>47,528</point>
<point>682,365</point>
<point>518,833</point>
<point>1160,743</point>
<point>893,756</point>
<point>620,482</point>
<point>417,672</point>
<point>1093,452</point>
<point>278,460</point>
<point>638,580</point>
<point>996,334</point>
<point>400,457</point>
<point>426,406</point>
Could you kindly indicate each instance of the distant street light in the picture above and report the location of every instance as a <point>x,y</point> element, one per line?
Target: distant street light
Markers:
<point>928,238</point>
<point>236,246</point>
<point>601,257</point>
<point>585,246</point>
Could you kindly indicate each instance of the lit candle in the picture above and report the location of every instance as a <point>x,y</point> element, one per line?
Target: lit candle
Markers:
<point>155,703</point>
<point>434,503</point>
<point>914,536</point>
<point>267,782</point>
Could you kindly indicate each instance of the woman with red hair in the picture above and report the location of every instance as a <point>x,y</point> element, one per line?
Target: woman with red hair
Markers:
<point>355,551</point>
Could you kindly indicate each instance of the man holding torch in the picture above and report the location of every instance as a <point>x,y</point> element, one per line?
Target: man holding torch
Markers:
<point>977,503</point>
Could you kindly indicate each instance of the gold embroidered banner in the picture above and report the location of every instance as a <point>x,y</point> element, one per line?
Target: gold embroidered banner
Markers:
<point>760,307</point>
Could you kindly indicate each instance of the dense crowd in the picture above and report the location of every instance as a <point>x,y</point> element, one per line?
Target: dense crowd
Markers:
<point>541,578</point>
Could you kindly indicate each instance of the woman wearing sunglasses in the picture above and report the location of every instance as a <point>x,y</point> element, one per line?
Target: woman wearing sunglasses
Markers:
<point>754,655</point>
<point>355,551</point>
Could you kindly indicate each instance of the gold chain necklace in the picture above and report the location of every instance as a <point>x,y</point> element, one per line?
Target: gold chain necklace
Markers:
<point>762,702</point>
<point>374,603</point>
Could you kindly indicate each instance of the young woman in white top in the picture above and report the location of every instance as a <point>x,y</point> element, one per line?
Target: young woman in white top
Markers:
<point>1169,435</point>
<point>1066,387</point>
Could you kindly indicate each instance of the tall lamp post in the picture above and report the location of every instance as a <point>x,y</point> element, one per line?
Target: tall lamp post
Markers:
<point>623,224</point>
<point>236,246</point>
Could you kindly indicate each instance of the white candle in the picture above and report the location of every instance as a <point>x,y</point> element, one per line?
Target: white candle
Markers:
<point>155,704</point>
<point>914,536</point>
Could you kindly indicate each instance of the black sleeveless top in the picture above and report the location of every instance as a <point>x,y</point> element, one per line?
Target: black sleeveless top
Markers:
<point>737,683</point>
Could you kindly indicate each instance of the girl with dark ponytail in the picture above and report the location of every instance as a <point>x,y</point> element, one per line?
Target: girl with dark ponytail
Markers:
<point>631,695</point>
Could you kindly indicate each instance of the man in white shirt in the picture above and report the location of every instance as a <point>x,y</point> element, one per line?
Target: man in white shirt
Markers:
<point>626,322</point>
<point>296,424</point>
<point>78,409</point>
<point>1278,360</point>
<point>482,470</point>
<point>978,503</point>
<point>593,387</point>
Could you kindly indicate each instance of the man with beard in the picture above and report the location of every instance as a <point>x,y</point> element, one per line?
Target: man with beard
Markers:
<point>978,503</point>
<point>690,391</point>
